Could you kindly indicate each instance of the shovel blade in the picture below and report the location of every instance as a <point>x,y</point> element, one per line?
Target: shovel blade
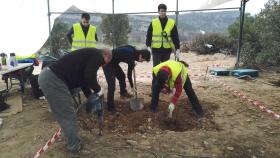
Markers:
<point>136,104</point>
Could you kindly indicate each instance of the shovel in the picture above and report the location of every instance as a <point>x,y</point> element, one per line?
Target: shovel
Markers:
<point>136,103</point>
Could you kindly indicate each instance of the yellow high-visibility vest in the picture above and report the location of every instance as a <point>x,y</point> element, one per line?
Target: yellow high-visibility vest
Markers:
<point>79,39</point>
<point>158,39</point>
<point>176,68</point>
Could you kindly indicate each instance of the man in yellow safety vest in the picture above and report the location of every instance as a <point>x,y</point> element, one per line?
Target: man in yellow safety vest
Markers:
<point>162,36</point>
<point>172,75</point>
<point>82,35</point>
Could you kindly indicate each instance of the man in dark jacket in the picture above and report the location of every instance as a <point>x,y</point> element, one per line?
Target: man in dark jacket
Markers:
<point>74,70</point>
<point>127,54</point>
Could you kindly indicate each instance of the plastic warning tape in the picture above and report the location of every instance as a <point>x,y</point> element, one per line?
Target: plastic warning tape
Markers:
<point>51,141</point>
<point>149,76</point>
<point>244,97</point>
<point>216,65</point>
<point>227,88</point>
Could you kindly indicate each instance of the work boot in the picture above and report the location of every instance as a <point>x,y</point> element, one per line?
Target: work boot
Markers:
<point>126,95</point>
<point>112,109</point>
<point>153,109</point>
<point>199,112</point>
<point>82,151</point>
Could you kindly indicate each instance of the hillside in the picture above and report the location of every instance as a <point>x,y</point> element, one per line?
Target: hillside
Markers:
<point>189,24</point>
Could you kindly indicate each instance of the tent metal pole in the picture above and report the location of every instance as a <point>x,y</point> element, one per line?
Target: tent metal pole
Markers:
<point>241,25</point>
<point>134,13</point>
<point>49,21</point>
<point>177,13</point>
<point>113,28</point>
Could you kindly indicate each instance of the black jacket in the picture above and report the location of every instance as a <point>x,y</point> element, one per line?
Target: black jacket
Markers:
<point>174,36</point>
<point>71,32</point>
<point>126,54</point>
<point>79,68</point>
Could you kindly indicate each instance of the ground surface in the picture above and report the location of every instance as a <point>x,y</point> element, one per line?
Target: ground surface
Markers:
<point>230,128</point>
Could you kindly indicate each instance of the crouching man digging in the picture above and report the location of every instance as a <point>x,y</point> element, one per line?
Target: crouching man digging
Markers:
<point>127,54</point>
<point>74,70</point>
<point>169,75</point>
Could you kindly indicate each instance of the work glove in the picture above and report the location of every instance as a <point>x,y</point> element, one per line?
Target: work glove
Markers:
<point>149,49</point>
<point>100,93</point>
<point>171,108</point>
<point>177,53</point>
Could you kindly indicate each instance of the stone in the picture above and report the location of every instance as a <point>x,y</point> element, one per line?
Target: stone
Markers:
<point>230,148</point>
<point>249,120</point>
<point>131,142</point>
<point>205,143</point>
<point>145,143</point>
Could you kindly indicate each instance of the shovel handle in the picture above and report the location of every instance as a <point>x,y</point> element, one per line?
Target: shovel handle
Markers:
<point>134,76</point>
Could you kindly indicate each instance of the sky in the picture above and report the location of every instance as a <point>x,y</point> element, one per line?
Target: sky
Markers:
<point>24,23</point>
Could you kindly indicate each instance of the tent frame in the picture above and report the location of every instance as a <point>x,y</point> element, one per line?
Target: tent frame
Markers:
<point>177,12</point>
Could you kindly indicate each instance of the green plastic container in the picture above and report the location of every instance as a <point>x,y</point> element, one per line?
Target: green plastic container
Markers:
<point>219,71</point>
<point>242,72</point>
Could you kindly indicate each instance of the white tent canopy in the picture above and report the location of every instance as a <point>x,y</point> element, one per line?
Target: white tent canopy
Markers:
<point>25,28</point>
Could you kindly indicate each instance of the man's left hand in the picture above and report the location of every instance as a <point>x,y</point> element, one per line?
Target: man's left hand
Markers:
<point>177,54</point>
<point>172,92</point>
<point>165,90</point>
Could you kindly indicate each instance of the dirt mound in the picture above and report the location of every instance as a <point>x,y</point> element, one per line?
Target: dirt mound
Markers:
<point>145,121</point>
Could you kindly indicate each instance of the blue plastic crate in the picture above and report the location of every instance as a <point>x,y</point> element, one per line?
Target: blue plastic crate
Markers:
<point>219,71</point>
<point>242,72</point>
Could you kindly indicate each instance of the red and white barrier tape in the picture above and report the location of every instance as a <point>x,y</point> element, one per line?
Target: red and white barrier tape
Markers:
<point>48,144</point>
<point>149,76</point>
<point>216,65</point>
<point>243,97</point>
<point>227,88</point>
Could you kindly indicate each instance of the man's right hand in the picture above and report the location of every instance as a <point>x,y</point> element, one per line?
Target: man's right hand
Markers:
<point>100,93</point>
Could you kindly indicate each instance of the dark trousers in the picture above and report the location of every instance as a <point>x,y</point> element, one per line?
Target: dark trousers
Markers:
<point>156,88</point>
<point>60,100</point>
<point>159,57</point>
<point>111,72</point>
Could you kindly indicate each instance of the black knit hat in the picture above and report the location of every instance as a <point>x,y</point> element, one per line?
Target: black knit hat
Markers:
<point>162,76</point>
